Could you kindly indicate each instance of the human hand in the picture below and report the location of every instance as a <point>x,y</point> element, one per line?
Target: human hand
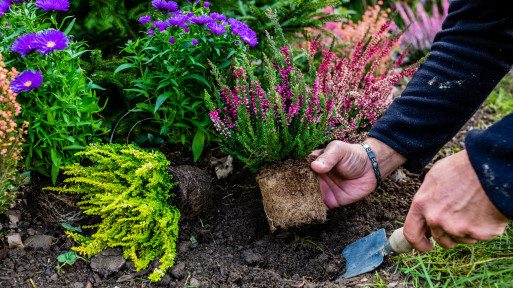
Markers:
<point>345,170</point>
<point>452,207</point>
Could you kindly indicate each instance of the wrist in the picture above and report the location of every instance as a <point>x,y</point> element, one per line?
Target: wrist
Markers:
<point>388,159</point>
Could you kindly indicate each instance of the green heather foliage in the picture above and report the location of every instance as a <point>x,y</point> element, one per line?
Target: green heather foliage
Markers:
<point>128,188</point>
<point>261,125</point>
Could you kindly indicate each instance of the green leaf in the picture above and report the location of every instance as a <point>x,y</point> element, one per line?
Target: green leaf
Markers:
<point>68,258</point>
<point>224,65</point>
<point>160,100</point>
<point>71,228</point>
<point>198,143</point>
<point>123,67</point>
<point>70,26</point>
<point>199,78</point>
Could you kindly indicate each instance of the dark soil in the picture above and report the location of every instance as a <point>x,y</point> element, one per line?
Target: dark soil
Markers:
<point>235,247</point>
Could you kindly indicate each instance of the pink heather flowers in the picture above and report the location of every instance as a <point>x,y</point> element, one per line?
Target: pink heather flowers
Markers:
<point>422,28</point>
<point>53,5</point>
<point>263,126</point>
<point>27,81</point>
<point>360,96</point>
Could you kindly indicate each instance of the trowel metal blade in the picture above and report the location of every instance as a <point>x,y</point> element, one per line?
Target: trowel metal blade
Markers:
<point>364,255</point>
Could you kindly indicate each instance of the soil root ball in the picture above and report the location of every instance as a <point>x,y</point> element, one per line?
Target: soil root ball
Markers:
<point>193,192</point>
<point>292,195</point>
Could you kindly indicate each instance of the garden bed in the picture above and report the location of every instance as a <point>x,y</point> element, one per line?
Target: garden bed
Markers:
<point>235,247</point>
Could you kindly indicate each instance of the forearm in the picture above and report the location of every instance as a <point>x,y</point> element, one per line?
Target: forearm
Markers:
<point>472,53</point>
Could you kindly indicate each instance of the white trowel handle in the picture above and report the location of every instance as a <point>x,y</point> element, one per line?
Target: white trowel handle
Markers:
<point>397,244</point>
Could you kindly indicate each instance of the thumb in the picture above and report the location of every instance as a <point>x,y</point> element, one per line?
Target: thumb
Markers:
<point>330,157</point>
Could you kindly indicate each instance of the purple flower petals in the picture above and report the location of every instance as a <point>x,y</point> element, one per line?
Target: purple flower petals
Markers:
<point>24,44</point>
<point>249,37</point>
<point>202,19</point>
<point>194,42</point>
<point>53,5</point>
<point>218,17</point>
<point>145,19</point>
<point>5,6</point>
<point>163,5</point>
<point>178,20</point>
<point>216,28</point>
<point>27,81</point>
<point>150,32</point>
<point>161,25</point>
<point>172,40</point>
<point>206,4</point>
<point>50,40</point>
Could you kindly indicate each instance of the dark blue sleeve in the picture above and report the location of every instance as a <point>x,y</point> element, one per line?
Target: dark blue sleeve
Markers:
<point>469,57</point>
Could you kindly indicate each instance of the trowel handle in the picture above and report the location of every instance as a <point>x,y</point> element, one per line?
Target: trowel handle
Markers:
<point>397,244</point>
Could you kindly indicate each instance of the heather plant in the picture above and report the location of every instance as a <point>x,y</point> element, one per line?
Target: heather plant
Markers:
<point>57,98</point>
<point>172,70</point>
<point>128,189</point>
<point>11,138</point>
<point>360,96</point>
<point>421,27</point>
<point>261,126</point>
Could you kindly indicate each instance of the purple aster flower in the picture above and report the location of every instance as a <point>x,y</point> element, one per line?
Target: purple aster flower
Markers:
<point>27,81</point>
<point>7,24</point>
<point>50,40</point>
<point>194,42</point>
<point>50,5</point>
<point>197,1</point>
<point>24,44</point>
<point>206,4</point>
<point>178,20</point>
<point>190,14</point>
<point>249,36</point>
<point>163,5</point>
<point>145,19</point>
<point>218,17</point>
<point>172,40</point>
<point>203,19</point>
<point>186,30</point>
<point>5,6</point>
<point>150,32</point>
<point>216,28</point>
<point>161,25</point>
<point>236,26</point>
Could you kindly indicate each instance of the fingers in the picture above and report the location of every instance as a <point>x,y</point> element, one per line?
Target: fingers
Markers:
<point>327,159</point>
<point>415,229</point>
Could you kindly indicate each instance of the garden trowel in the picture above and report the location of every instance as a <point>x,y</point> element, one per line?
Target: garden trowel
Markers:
<point>367,253</point>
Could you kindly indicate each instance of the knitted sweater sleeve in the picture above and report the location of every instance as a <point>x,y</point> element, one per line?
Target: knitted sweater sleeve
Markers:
<point>469,56</point>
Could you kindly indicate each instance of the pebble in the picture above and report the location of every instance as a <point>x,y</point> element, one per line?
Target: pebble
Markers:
<point>77,285</point>
<point>108,261</point>
<point>14,240</point>
<point>253,259</point>
<point>194,282</point>
<point>178,271</point>
<point>31,231</point>
<point>48,272</point>
<point>54,277</point>
<point>183,247</point>
<point>331,268</point>
<point>39,242</point>
<point>165,280</point>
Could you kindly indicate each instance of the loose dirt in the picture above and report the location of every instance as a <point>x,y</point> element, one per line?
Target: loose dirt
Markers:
<point>231,246</point>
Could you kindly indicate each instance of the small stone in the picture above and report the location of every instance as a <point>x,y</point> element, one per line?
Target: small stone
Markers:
<point>91,278</point>
<point>48,272</point>
<point>54,277</point>
<point>253,259</point>
<point>397,176</point>
<point>222,166</point>
<point>331,268</point>
<point>234,276</point>
<point>130,265</point>
<point>108,261</point>
<point>14,217</point>
<point>178,271</point>
<point>296,277</point>
<point>309,285</point>
<point>165,280</point>
<point>194,245</point>
<point>30,231</point>
<point>39,241</point>
<point>183,247</point>
<point>14,240</point>
<point>194,282</point>
<point>364,279</point>
<point>392,285</point>
<point>77,285</point>
<point>89,284</point>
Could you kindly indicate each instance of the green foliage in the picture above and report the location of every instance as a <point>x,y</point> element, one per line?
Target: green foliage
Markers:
<point>128,188</point>
<point>68,258</point>
<point>172,75</point>
<point>485,264</point>
<point>294,16</point>
<point>61,110</point>
<point>501,99</point>
<point>262,126</point>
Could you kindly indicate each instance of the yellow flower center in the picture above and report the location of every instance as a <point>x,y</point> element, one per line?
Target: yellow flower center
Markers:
<point>50,44</point>
<point>28,83</point>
